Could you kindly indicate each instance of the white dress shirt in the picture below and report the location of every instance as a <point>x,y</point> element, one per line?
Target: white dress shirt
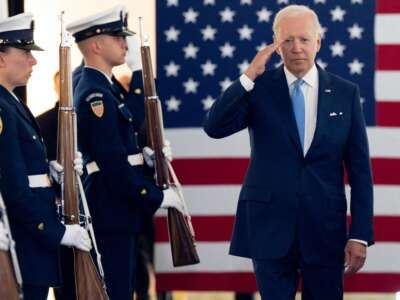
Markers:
<point>310,92</point>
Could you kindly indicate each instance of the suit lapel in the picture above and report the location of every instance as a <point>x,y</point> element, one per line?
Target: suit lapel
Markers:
<point>285,107</point>
<point>325,93</point>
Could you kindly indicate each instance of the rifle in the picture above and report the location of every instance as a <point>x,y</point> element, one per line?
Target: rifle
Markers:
<point>180,229</point>
<point>88,282</point>
<point>10,273</point>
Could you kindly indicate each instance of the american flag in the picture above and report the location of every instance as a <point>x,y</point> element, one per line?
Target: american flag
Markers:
<point>204,45</point>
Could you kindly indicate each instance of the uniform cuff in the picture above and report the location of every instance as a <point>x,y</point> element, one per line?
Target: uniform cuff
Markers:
<point>360,241</point>
<point>246,82</point>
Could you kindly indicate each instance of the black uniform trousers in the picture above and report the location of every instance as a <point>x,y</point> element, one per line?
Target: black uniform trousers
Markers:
<point>118,257</point>
<point>32,292</point>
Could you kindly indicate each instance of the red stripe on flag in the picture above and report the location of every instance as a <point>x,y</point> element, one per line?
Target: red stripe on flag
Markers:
<point>387,6</point>
<point>387,57</point>
<point>245,282</point>
<point>219,228</point>
<point>387,113</point>
<point>210,171</point>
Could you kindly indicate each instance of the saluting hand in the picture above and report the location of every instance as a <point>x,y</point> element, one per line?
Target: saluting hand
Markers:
<point>257,65</point>
<point>355,255</point>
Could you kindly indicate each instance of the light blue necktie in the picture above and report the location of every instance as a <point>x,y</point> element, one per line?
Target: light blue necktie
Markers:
<point>298,108</point>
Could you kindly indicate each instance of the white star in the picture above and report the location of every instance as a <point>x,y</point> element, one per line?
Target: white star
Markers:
<point>208,68</point>
<point>245,32</point>
<point>173,104</point>
<point>243,66</point>
<point>172,34</point>
<point>191,86</point>
<point>172,3</point>
<point>261,46</point>
<point>227,15</point>
<point>282,1</point>
<point>190,51</point>
<point>323,31</point>
<point>190,16</point>
<point>227,50</point>
<point>337,14</point>
<point>356,1</point>
<point>208,102</point>
<point>355,67</point>
<point>208,33</point>
<point>172,69</point>
<point>225,83</point>
<point>319,1</point>
<point>355,31</point>
<point>263,15</point>
<point>321,63</point>
<point>337,49</point>
<point>243,2</point>
<point>208,2</point>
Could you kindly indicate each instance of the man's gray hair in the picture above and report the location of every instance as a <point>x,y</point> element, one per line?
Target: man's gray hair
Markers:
<point>292,11</point>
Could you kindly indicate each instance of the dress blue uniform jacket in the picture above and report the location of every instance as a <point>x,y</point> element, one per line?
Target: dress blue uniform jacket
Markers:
<point>32,211</point>
<point>287,198</point>
<point>120,196</point>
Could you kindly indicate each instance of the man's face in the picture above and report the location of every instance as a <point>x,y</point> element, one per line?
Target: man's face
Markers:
<point>113,49</point>
<point>300,43</point>
<point>17,65</point>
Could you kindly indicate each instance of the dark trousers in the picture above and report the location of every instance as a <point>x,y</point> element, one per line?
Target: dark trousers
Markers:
<point>118,253</point>
<point>32,292</point>
<point>67,290</point>
<point>278,279</point>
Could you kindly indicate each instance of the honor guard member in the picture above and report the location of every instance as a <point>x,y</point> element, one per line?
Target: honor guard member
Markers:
<point>119,193</point>
<point>24,181</point>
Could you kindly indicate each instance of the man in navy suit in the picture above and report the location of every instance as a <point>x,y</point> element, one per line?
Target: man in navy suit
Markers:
<point>306,127</point>
<point>24,169</point>
<point>120,188</point>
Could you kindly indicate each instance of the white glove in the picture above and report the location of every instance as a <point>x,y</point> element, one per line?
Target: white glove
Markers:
<point>172,199</point>
<point>4,241</point>
<point>78,163</point>
<point>56,171</point>
<point>148,153</point>
<point>133,57</point>
<point>76,236</point>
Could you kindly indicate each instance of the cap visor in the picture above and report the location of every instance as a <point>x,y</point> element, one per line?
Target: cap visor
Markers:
<point>28,47</point>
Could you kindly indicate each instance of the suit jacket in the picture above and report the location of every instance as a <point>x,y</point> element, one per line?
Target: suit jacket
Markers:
<point>32,211</point>
<point>287,197</point>
<point>120,196</point>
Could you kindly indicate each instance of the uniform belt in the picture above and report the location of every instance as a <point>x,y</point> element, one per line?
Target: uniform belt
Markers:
<point>133,159</point>
<point>39,181</point>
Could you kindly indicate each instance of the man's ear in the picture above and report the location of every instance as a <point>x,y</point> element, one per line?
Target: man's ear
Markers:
<point>2,60</point>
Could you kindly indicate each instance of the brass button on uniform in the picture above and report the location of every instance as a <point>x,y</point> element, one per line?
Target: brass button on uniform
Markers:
<point>137,91</point>
<point>143,192</point>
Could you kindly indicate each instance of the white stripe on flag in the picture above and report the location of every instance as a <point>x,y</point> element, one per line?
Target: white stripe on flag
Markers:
<point>384,142</point>
<point>214,257</point>
<point>387,86</point>
<point>387,29</point>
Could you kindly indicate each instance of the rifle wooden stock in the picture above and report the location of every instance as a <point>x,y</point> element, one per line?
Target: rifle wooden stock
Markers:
<point>8,283</point>
<point>180,235</point>
<point>88,283</point>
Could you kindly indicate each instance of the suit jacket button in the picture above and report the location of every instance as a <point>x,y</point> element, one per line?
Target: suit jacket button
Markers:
<point>40,226</point>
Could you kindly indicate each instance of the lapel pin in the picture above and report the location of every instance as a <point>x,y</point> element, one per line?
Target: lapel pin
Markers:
<point>333,114</point>
<point>328,90</point>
